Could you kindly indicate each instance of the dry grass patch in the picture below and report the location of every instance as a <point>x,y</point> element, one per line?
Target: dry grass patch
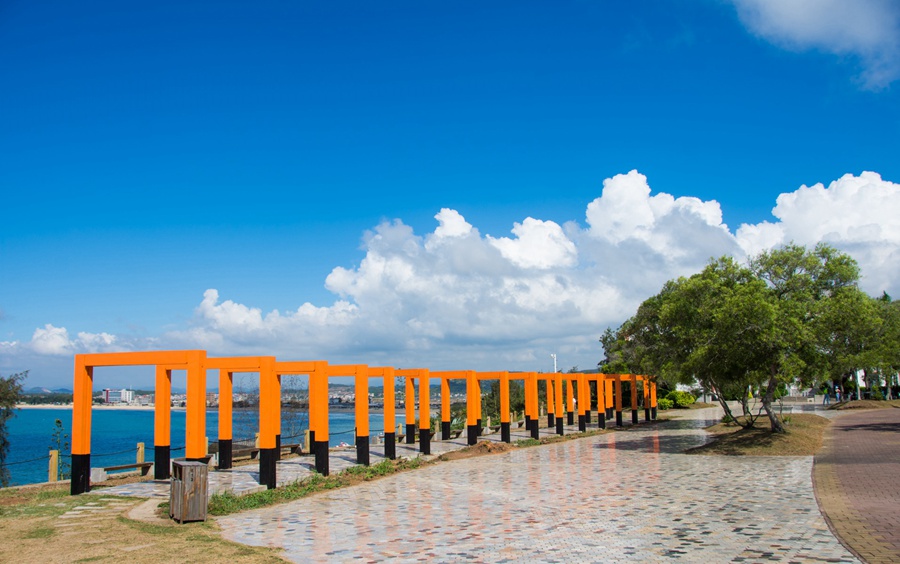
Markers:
<point>803,438</point>
<point>45,524</point>
<point>865,404</point>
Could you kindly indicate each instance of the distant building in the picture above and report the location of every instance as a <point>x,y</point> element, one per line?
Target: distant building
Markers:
<point>118,396</point>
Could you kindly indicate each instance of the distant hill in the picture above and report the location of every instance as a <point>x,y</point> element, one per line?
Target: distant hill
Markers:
<point>40,391</point>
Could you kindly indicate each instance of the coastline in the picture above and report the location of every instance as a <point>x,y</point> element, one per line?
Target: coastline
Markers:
<point>332,409</point>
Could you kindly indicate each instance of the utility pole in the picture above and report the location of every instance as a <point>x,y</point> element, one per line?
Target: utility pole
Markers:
<point>553,356</point>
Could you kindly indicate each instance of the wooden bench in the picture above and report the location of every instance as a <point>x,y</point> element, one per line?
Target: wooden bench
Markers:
<point>144,467</point>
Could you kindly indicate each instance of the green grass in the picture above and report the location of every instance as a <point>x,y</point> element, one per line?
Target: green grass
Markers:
<point>227,502</point>
<point>40,533</point>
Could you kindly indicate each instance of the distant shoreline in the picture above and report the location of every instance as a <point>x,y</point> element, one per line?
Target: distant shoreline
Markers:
<point>372,410</point>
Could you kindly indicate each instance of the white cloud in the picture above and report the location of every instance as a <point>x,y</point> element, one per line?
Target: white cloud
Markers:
<point>866,29</point>
<point>538,244</point>
<point>55,341</point>
<point>857,214</point>
<point>454,298</point>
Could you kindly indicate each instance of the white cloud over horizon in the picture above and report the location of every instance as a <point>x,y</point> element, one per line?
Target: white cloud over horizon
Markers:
<point>455,298</point>
<point>868,30</point>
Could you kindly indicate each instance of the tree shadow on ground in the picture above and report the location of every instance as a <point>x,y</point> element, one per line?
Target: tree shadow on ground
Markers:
<point>654,444</point>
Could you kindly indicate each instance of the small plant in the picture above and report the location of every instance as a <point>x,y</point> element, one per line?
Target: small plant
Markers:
<point>664,404</point>
<point>679,399</point>
<point>59,441</point>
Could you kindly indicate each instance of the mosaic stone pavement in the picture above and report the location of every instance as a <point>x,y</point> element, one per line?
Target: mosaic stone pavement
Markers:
<point>624,496</point>
<point>245,479</point>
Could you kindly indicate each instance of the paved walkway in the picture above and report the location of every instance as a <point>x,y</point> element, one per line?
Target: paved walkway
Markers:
<point>245,479</point>
<point>623,496</point>
<point>855,477</point>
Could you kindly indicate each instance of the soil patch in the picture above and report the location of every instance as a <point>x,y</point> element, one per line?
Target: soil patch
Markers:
<point>803,438</point>
<point>480,449</point>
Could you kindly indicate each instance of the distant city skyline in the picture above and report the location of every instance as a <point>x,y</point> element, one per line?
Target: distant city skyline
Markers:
<point>466,186</point>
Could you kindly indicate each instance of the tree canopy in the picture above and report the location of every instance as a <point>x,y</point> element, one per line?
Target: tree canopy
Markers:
<point>792,315</point>
<point>10,390</point>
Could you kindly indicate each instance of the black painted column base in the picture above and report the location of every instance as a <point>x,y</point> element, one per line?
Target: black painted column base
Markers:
<point>445,430</point>
<point>425,441</point>
<point>535,430</point>
<point>609,413</point>
<point>278,446</point>
<point>587,418</point>
<point>653,413</point>
<point>551,420</point>
<point>480,427</point>
<point>618,419</point>
<point>320,448</point>
<point>161,457</point>
<point>601,421</point>
<point>410,433</point>
<point>646,414</point>
<point>390,445</point>
<point>471,434</point>
<point>505,433</point>
<point>267,461</point>
<point>570,418</point>
<point>362,450</point>
<point>81,474</point>
<point>559,426</point>
<point>582,423</point>
<point>634,416</point>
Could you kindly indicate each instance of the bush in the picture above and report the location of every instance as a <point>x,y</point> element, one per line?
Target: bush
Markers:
<point>680,399</point>
<point>664,404</point>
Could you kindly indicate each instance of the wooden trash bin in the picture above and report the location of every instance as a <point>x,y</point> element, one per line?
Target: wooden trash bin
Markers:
<point>188,496</point>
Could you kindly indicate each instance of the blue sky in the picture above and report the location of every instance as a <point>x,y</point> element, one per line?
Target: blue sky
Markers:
<point>151,152</point>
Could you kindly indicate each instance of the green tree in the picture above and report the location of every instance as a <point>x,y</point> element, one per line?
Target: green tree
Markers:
<point>734,328</point>
<point>799,282</point>
<point>490,401</point>
<point>10,391</point>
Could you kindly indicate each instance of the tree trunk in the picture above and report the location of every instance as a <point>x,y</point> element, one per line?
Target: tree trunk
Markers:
<point>767,399</point>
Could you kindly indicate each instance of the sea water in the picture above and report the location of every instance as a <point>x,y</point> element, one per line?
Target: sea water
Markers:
<point>116,432</point>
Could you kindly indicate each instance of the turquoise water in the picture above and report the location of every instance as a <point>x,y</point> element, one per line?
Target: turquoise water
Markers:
<point>115,434</point>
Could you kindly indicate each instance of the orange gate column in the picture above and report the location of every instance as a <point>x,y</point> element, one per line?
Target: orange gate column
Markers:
<point>505,431</point>
<point>471,413</point>
<point>551,403</point>
<point>583,402</point>
<point>390,416</point>
<point>589,400</point>
<point>195,434</point>
<point>558,389</point>
<point>226,399</point>
<point>653,400</point>
<point>634,400</point>
<point>162,424</point>
<point>410,407</point>
<point>531,403</point>
<point>424,412</point>
<point>81,427</point>
<point>601,402</point>
<point>318,415</point>
<point>570,402</point>
<point>645,385</point>
<point>608,393</point>
<point>269,406</point>
<point>361,402</point>
<point>617,391</point>
<point>445,409</point>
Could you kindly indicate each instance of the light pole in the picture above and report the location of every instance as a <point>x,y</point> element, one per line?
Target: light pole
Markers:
<point>553,356</point>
